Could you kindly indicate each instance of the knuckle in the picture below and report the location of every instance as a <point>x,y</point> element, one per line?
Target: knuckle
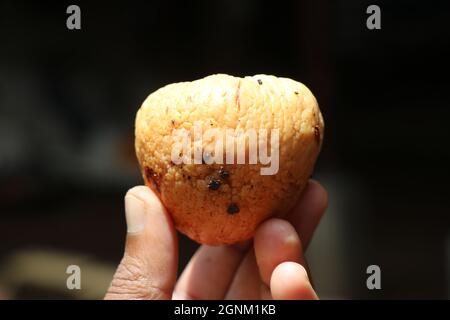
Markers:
<point>131,282</point>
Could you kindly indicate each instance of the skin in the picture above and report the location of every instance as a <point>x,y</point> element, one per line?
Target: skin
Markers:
<point>271,266</point>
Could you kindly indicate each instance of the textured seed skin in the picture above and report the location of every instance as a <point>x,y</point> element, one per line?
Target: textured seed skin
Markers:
<point>222,101</point>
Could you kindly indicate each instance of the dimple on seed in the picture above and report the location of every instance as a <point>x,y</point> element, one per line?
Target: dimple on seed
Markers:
<point>223,173</point>
<point>213,184</point>
<point>233,208</point>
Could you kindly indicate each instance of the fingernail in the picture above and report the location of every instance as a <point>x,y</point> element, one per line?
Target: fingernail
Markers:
<point>135,214</point>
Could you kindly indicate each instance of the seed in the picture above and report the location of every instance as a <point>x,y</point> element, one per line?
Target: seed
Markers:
<point>213,184</point>
<point>233,208</point>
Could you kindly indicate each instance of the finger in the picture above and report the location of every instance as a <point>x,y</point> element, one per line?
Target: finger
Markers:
<point>246,284</point>
<point>275,242</point>
<point>290,281</point>
<point>149,265</point>
<point>309,210</point>
<point>210,272</point>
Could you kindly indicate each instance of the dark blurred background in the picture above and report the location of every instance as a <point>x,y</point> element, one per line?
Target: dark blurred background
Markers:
<point>68,101</point>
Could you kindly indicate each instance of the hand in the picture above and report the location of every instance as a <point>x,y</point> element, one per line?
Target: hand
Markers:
<point>273,265</point>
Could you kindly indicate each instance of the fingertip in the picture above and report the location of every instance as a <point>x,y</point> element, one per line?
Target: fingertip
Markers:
<point>150,229</point>
<point>145,194</point>
<point>290,281</point>
<point>140,202</point>
<point>146,216</point>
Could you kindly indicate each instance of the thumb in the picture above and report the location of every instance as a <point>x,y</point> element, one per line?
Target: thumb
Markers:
<point>149,265</point>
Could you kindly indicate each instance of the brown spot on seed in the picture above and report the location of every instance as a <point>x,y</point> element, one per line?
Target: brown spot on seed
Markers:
<point>259,81</point>
<point>296,92</point>
<point>317,133</point>
<point>152,178</point>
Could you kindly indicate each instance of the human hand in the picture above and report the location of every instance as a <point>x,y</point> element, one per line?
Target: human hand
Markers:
<point>271,266</point>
